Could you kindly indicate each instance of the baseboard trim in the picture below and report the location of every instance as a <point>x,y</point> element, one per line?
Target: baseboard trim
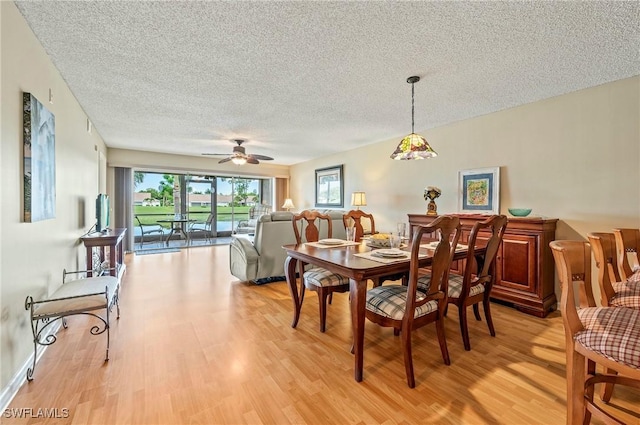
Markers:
<point>12,388</point>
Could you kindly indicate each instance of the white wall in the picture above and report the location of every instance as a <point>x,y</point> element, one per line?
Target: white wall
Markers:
<point>575,157</point>
<point>33,255</point>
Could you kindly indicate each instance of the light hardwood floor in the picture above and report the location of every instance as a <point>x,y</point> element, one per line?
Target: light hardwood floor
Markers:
<point>195,346</point>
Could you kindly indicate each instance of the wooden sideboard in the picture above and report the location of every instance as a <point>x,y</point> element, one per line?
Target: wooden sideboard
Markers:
<point>525,269</point>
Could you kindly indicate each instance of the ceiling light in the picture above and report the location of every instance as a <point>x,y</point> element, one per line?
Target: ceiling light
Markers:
<point>413,146</point>
<point>239,160</point>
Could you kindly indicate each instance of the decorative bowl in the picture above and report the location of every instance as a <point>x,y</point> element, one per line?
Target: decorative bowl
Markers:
<point>519,212</point>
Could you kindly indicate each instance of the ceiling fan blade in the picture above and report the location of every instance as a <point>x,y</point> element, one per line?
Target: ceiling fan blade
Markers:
<point>224,160</point>
<point>216,154</point>
<point>252,160</point>
<point>262,157</point>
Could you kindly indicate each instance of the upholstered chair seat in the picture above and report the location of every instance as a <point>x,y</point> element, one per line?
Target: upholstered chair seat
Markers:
<point>613,333</point>
<point>318,277</point>
<point>627,294</point>
<point>455,285</point>
<point>390,301</point>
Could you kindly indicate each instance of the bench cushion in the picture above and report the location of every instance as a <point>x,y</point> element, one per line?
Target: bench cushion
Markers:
<point>75,288</point>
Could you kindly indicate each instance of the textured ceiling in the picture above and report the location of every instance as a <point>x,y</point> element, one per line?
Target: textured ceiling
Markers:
<point>301,80</point>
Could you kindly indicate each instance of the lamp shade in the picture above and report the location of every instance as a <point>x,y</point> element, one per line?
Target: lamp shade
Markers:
<point>238,160</point>
<point>413,146</point>
<point>288,204</point>
<point>358,199</point>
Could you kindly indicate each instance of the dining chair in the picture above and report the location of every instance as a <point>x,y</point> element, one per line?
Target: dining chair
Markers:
<point>405,308</point>
<point>317,279</point>
<point>605,336</point>
<point>473,286</point>
<point>149,229</point>
<point>355,217</point>
<point>627,243</point>
<point>614,291</point>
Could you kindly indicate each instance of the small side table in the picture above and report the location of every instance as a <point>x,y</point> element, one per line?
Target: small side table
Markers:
<point>101,240</point>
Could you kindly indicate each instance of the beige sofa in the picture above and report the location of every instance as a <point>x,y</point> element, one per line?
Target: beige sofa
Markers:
<point>262,260</point>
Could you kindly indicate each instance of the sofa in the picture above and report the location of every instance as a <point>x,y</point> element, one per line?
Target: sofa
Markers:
<point>262,260</point>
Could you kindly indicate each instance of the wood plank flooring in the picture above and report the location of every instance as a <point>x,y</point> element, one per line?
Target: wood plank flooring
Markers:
<point>195,346</point>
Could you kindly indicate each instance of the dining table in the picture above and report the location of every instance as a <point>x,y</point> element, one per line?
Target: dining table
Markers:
<point>352,261</point>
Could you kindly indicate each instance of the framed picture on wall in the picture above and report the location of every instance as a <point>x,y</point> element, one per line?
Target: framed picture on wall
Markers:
<point>329,187</point>
<point>479,190</point>
<point>39,159</point>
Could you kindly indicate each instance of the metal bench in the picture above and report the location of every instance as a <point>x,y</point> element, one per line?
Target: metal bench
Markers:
<point>80,296</point>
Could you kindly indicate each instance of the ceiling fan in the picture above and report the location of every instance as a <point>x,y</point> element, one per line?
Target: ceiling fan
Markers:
<point>239,156</point>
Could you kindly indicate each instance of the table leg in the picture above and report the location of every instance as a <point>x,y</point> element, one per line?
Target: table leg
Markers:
<point>290,272</point>
<point>112,260</point>
<point>169,236</point>
<point>89,261</point>
<point>358,298</point>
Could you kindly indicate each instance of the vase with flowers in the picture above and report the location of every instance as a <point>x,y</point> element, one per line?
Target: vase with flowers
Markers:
<point>431,193</point>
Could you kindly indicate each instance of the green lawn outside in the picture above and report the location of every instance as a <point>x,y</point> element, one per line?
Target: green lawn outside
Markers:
<point>150,215</point>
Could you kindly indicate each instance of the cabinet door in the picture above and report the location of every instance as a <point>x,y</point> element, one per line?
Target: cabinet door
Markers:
<point>516,263</point>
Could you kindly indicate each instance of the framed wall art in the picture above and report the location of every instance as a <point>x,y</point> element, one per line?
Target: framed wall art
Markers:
<point>39,160</point>
<point>329,187</point>
<point>479,190</point>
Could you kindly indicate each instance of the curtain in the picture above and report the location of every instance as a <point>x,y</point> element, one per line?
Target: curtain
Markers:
<point>123,204</point>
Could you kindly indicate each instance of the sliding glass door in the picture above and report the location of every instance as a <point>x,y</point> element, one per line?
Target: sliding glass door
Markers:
<point>221,202</point>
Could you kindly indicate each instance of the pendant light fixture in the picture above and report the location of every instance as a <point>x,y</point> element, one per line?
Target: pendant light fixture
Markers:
<point>413,146</point>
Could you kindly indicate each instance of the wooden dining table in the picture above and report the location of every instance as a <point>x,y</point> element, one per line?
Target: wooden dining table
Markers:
<point>342,260</point>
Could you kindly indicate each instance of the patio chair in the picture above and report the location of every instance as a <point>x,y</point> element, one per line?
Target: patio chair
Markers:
<point>149,229</point>
<point>200,227</point>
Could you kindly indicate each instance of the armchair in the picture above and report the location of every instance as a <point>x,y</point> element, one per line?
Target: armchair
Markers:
<point>261,260</point>
<point>249,225</point>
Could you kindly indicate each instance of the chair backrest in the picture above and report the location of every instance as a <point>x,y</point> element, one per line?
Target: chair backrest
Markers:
<point>449,229</point>
<point>485,272</point>
<point>257,210</point>
<point>310,222</point>
<point>573,265</point>
<point>604,252</point>
<point>627,242</point>
<point>355,217</point>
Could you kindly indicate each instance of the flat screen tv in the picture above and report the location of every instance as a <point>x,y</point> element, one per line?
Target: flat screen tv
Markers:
<point>103,217</point>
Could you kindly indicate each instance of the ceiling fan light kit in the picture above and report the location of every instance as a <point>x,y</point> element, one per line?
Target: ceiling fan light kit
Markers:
<point>240,157</point>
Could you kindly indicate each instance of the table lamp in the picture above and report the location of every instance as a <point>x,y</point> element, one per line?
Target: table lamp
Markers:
<point>288,204</point>
<point>358,199</point>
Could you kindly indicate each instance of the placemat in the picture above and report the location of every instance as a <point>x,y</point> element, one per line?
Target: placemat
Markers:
<point>429,245</point>
<point>385,260</point>
<point>343,244</point>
